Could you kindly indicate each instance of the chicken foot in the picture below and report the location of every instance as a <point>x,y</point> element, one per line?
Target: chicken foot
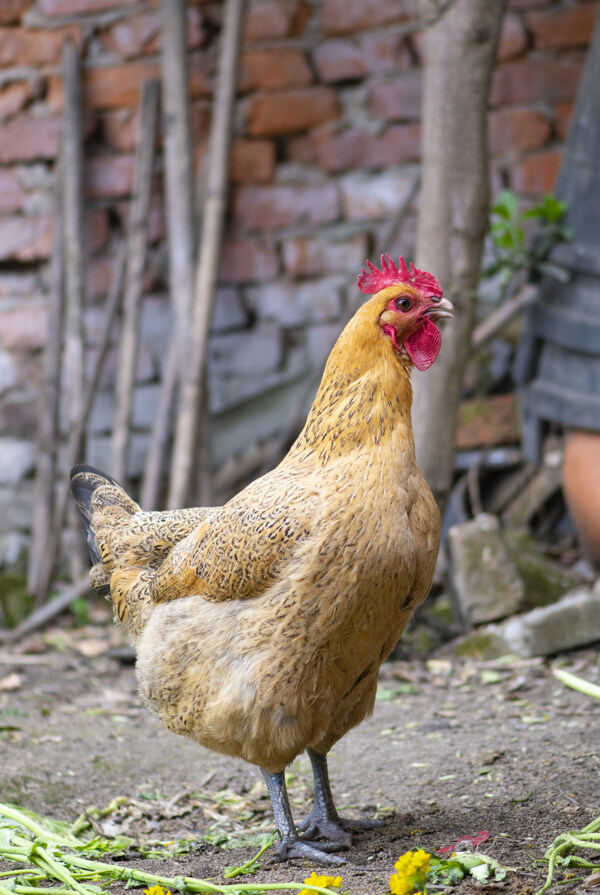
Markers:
<point>323,819</point>
<point>291,845</point>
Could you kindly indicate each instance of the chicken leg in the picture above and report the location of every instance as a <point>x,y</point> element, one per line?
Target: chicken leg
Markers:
<point>291,845</point>
<point>323,819</point>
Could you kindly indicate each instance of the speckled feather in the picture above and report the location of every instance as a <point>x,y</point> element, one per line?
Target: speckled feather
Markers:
<point>260,626</point>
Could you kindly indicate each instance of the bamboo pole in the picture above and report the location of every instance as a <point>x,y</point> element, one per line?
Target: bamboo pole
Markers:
<point>136,257</point>
<point>48,422</point>
<point>181,231</point>
<point>76,436</point>
<point>214,205</point>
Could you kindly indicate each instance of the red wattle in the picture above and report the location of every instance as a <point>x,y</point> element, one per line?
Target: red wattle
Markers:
<point>424,345</point>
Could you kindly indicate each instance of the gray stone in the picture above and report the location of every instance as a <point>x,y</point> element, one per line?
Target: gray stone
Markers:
<point>17,507</point>
<point>573,621</point>
<point>8,372</point>
<point>255,352</point>
<point>483,579</point>
<point>13,548</point>
<point>17,459</point>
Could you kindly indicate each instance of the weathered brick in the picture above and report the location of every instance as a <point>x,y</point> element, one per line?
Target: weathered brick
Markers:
<point>96,230</point>
<point>118,128</point>
<point>11,11</point>
<point>398,100</point>
<point>229,311</point>
<point>18,284</point>
<point>354,148</point>
<point>290,111</point>
<point>60,8</point>
<point>13,98</point>
<point>24,328</point>
<point>134,36</point>
<point>540,79</point>
<point>341,59</point>
<point>27,139</point>
<point>109,176</point>
<point>252,161</point>
<point>342,16</point>
<point>513,38</point>
<point>25,46</point>
<point>25,239</point>
<point>300,150</point>
<point>311,256</point>
<point>516,130</point>
<point>569,26</point>
<point>263,208</point>
<point>563,112</point>
<point>298,304</point>
<point>245,260</point>
<point>536,174</point>
<point>12,194</point>
<point>377,196</point>
<point>99,273</point>
<point>528,4</point>
<point>274,70</point>
<point>267,20</point>
<point>119,85</point>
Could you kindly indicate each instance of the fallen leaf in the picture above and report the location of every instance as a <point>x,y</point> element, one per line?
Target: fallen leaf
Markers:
<point>92,648</point>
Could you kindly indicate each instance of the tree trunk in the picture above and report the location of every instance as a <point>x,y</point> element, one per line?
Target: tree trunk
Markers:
<point>461,42</point>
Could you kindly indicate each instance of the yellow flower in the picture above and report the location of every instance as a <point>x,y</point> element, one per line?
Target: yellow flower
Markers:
<point>411,871</point>
<point>155,890</point>
<point>323,881</point>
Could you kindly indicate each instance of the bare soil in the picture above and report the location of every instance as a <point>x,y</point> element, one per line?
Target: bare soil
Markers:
<point>454,747</point>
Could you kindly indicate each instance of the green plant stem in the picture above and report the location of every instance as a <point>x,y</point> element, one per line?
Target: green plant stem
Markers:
<point>24,821</point>
<point>249,866</point>
<point>577,683</point>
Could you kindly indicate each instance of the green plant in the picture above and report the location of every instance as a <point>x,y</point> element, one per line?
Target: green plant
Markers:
<point>513,251</point>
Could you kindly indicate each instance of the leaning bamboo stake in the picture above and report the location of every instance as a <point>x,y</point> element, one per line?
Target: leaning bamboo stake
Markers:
<point>180,226</point>
<point>77,435</point>
<point>48,421</point>
<point>138,230</point>
<point>206,273</point>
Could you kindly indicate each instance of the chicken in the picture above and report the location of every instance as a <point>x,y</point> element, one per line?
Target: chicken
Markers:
<point>260,626</point>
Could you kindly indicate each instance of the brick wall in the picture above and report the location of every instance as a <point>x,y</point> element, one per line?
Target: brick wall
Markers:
<point>326,150</point>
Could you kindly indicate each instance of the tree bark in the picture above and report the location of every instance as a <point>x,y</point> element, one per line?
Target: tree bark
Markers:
<point>461,42</point>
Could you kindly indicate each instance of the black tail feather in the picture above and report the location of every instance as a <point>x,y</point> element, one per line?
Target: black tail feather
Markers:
<point>84,481</point>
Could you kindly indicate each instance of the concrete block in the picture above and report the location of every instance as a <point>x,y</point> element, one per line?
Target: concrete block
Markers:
<point>483,579</point>
<point>572,622</point>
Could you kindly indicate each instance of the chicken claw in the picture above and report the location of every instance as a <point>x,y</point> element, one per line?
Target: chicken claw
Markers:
<point>323,819</point>
<point>291,846</point>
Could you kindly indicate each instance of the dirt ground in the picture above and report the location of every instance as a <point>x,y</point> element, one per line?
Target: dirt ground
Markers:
<point>454,747</point>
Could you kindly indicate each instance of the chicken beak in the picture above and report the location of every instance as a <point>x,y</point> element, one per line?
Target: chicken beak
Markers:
<point>442,308</point>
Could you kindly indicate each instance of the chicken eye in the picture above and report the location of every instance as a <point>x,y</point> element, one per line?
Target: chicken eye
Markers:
<point>404,303</point>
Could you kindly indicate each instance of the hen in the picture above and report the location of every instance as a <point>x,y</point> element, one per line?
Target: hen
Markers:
<point>260,626</point>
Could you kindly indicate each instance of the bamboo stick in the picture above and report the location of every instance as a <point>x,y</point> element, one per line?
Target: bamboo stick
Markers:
<point>136,257</point>
<point>184,453</point>
<point>48,421</point>
<point>180,226</point>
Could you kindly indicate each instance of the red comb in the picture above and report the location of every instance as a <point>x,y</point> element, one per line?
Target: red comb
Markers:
<point>374,280</point>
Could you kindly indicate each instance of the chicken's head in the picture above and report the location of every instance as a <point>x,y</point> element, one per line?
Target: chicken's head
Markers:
<point>410,302</point>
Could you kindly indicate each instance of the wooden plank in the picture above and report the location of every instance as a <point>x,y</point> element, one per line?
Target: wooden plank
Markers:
<point>136,258</point>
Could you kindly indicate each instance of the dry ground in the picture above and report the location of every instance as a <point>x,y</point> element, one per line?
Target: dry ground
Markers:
<point>453,747</point>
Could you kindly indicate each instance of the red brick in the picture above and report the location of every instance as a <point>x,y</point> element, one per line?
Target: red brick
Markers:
<point>516,130</point>
<point>290,111</point>
<point>96,230</point>
<point>244,260</point>
<point>27,139</point>
<point>342,16</point>
<point>60,8</point>
<point>24,328</point>
<point>108,177</point>
<point>513,38</point>
<point>11,11</point>
<point>300,150</point>
<point>539,79</point>
<point>119,85</point>
<point>13,98</point>
<point>563,113</point>
<point>339,60</point>
<point>118,129</point>
<point>252,161</point>
<point>99,274</point>
<point>270,207</point>
<point>12,195</point>
<point>375,197</point>
<point>268,20</point>
<point>528,4</point>
<point>398,100</point>
<point>24,46</point>
<point>354,148</point>
<point>536,174</point>
<point>385,52</point>
<point>274,70</point>
<point>311,256</point>
<point>556,29</point>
